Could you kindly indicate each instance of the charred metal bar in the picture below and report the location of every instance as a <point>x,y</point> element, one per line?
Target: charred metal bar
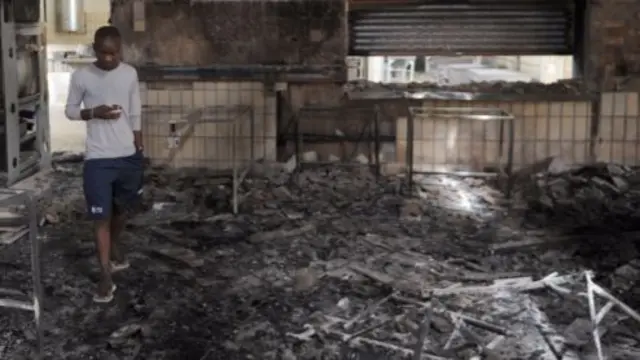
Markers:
<point>509,169</point>
<point>376,138</point>
<point>309,138</point>
<point>410,137</point>
<point>285,73</point>
<point>298,141</point>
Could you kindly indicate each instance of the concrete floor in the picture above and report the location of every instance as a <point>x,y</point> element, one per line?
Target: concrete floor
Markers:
<point>66,135</point>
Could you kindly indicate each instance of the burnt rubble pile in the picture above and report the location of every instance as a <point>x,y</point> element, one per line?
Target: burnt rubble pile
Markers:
<point>501,320</point>
<point>275,203</point>
<point>600,197</point>
<point>364,268</point>
<point>562,87</point>
<point>273,198</point>
<point>326,263</point>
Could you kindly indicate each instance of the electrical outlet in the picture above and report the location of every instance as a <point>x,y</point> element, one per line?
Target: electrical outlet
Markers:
<point>173,142</point>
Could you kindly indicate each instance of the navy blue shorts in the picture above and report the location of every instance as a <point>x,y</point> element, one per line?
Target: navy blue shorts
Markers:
<point>112,185</point>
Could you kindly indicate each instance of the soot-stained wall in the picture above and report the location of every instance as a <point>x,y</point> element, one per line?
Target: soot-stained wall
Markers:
<point>178,33</point>
<point>314,32</point>
<point>614,40</point>
<point>27,11</point>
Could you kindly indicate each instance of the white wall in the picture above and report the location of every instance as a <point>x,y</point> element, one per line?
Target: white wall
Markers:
<point>68,135</point>
<point>96,15</point>
<point>546,69</point>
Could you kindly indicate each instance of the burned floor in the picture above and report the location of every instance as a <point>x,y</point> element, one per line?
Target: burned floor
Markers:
<point>336,263</point>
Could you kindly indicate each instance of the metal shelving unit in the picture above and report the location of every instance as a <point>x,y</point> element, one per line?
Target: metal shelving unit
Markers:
<point>24,134</point>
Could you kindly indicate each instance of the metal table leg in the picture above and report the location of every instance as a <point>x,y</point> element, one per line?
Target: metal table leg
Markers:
<point>35,272</point>
<point>30,232</point>
<point>234,155</point>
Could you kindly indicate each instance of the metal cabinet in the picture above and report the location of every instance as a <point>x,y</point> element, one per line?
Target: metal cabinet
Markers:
<point>24,129</point>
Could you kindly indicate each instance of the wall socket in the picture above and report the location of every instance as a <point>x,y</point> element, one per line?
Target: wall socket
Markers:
<point>173,142</point>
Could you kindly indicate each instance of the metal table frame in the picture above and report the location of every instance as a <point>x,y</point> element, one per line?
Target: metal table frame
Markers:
<point>223,114</point>
<point>184,128</point>
<point>467,114</point>
<point>10,198</point>
<point>369,132</point>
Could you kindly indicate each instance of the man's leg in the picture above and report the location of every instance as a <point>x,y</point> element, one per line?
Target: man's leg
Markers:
<point>118,220</point>
<point>126,192</point>
<point>103,242</point>
<point>98,192</point>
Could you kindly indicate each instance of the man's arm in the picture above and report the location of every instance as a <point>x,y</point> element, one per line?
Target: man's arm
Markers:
<point>73,110</point>
<point>135,111</point>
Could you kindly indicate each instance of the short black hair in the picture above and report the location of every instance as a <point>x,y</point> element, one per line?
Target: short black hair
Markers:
<point>106,32</point>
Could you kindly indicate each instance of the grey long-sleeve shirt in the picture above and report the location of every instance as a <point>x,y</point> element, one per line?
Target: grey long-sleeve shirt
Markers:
<point>91,87</point>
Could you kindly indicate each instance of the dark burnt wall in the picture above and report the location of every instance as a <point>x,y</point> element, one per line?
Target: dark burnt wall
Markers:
<point>235,32</point>
<point>313,32</point>
<point>27,11</point>
<point>614,41</point>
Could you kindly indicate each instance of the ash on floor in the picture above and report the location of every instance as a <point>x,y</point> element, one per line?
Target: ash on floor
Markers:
<point>334,264</point>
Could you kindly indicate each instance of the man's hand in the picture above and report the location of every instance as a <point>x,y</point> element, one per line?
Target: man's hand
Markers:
<point>106,112</point>
<point>137,140</point>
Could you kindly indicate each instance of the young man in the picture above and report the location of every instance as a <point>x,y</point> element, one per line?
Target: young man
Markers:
<point>106,96</point>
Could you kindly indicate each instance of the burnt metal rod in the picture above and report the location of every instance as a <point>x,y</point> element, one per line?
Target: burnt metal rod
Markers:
<point>376,138</point>
<point>361,137</point>
<point>36,272</point>
<point>510,180</point>
<point>501,140</point>
<point>234,160</point>
<point>252,136</point>
<point>483,325</point>
<point>327,138</point>
<point>459,174</point>
<point>421,335</point>
<point>298,141</point>
<point>410,139</point>
<point>367,311</point>
<point>367,330</point>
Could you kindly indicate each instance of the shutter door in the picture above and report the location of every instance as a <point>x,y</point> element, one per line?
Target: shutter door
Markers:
<point>496,28</point>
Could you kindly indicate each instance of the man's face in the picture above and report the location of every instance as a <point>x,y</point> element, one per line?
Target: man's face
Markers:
<point>108,53</point>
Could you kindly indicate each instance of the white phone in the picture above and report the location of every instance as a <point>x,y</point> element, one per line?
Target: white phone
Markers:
<point>116,111</point>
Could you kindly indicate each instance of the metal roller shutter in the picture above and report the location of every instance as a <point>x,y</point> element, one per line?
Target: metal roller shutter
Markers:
<point>488,28</point>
